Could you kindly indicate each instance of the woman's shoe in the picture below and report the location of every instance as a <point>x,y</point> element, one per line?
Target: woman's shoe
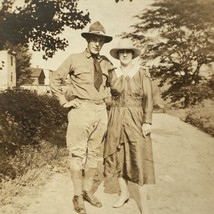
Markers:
<point>121,201</point>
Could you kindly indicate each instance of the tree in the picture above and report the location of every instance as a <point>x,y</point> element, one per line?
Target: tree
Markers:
<point>177,37</point>
<point>23,57</point>
<point>40,22</point>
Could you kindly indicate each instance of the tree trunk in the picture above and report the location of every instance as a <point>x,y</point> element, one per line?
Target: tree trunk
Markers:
<point>186,101</point>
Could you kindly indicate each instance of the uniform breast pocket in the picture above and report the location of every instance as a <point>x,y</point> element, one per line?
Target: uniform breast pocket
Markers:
<point>83,75</point>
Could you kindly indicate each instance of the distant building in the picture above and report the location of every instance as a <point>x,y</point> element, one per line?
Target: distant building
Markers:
<point>38,76</point>
<point>7,69</point>
<point>48,74</point>
<point>41,81</point>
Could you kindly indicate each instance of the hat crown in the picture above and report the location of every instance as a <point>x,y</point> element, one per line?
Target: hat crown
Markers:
<point>97,27</point>
<point>125,44</point>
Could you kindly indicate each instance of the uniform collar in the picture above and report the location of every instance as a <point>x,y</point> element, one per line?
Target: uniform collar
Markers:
<point>88,55</point>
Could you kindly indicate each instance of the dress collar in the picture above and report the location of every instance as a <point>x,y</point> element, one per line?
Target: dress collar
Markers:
<point>130,73</point>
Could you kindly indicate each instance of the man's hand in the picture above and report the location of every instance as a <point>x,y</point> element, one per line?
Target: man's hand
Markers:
<point>73,103</point>
<point>146,129</point>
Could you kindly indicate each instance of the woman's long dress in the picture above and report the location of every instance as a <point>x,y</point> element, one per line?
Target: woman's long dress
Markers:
<point>126,152</point>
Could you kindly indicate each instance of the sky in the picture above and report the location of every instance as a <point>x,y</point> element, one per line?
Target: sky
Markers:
<point>115,17</point>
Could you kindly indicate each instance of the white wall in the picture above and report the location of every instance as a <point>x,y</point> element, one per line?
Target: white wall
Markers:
<point>7,70</point>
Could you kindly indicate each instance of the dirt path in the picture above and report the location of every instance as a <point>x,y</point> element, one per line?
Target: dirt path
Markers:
<point>184,177</point>
<point>184,168</point>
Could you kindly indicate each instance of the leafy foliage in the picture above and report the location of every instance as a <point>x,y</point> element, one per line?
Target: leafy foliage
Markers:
<point>177,38</point>
<point>202,116</point>
<point>29,161</point>
<point>26,119</point>
<point>40,22</point>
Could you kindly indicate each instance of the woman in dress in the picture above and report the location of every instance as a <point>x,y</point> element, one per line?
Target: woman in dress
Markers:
<point>128,147</point>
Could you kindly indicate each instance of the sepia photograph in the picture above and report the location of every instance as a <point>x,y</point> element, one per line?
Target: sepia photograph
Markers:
<point>106,106</point>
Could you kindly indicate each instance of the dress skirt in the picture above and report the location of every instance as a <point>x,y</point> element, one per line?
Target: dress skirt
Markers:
<point>127,153</point>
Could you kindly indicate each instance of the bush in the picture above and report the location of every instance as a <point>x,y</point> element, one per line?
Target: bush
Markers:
<point>27,118</point>
<point>202,116</point>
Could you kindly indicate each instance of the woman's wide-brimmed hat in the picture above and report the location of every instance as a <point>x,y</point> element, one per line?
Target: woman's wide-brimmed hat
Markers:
<point>98,30</point>
<point>125,44</point>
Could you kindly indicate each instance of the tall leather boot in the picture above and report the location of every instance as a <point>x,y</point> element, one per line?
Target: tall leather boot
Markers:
<point>88,185</point>
<point>78,202</point>
<point>124,193</point>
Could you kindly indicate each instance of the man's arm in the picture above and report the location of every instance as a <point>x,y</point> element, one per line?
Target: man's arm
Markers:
<point>110,69</point>
<point>58,79</point>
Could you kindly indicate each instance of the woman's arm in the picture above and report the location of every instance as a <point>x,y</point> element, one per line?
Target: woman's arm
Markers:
<point>148,100</point>
<point>148,105</point>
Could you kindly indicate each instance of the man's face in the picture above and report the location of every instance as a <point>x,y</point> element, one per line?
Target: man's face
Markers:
<point>95,44</point>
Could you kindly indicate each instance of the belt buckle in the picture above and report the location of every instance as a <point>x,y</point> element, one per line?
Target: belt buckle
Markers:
<point>98,102</point>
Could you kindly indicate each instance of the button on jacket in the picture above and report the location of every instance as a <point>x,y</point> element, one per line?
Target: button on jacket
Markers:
<point>79,71</point>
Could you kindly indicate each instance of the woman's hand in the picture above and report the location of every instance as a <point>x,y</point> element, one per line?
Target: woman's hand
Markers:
<point>146,129</point>
<point>147,73</point>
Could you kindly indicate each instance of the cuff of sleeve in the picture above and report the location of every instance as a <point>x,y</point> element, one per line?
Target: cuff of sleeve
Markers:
<point>62,100</point>
<point>147,119</point>
<point>108,101</point>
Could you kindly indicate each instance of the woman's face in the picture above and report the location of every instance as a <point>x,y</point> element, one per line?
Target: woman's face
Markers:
<point>125,56</point>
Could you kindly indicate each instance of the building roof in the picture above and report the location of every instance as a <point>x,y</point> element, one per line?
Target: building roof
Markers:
<point>36,72</point>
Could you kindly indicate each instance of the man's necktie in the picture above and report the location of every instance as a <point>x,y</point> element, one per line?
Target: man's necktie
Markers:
<point>98,79</point>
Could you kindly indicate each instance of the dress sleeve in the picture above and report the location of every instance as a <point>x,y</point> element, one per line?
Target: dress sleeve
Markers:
<point>148,99</point>
<point>58,79</point>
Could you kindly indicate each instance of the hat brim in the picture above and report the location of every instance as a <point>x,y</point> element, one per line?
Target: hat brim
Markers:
<point>87,34</point>
<point>114,52</point>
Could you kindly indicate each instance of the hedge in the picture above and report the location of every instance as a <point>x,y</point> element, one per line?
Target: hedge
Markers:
<point>27,118</point>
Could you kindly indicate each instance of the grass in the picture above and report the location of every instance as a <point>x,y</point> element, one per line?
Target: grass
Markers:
<point>40,165</point>
<point>201,116</point>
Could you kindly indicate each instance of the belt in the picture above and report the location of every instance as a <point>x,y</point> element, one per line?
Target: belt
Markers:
<point>96,102</point>
<point>127,101</point>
